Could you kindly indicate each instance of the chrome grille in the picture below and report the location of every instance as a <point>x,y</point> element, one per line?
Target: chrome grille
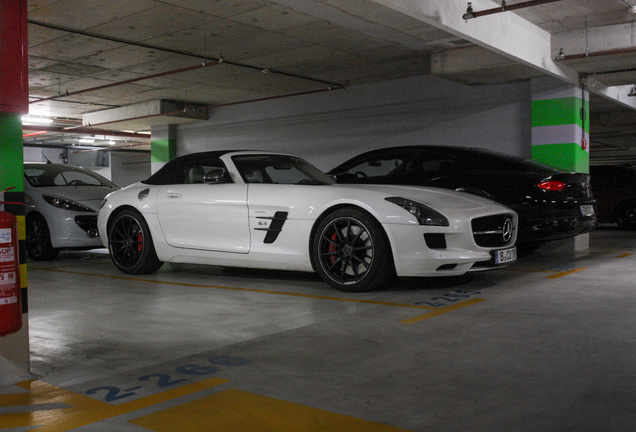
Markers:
<point>489,231</point>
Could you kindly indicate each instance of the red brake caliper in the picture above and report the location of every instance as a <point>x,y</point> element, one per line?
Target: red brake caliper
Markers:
<point>140,242</point>
<point>332,249</point>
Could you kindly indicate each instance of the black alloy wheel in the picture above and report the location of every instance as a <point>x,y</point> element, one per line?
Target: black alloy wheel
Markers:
<point>130,244</point>
<point>38,239</point>
<point>351,252</point>
<point>625,215</point>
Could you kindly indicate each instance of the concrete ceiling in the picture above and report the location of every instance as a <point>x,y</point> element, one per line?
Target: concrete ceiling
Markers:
<point>95,66</point>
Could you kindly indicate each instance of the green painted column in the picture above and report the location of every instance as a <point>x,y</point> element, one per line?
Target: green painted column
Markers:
<point>11,177</point>
<point>560,125</point>
<point>163,146</point>
<point>15,347</point>
<point>561,134</point>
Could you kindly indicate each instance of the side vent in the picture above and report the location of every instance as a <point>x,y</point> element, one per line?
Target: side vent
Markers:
<point>274,228</point>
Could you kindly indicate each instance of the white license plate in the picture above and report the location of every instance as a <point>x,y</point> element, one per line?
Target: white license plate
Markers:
<point>505,256</point>
<point>587,210</point>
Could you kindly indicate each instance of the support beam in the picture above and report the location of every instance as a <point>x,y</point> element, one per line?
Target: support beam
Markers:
<point>618,94</point>
<point>506,34</point>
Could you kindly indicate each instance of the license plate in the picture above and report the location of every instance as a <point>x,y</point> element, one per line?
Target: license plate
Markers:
<point>587,210</point>
<point>505,256</point>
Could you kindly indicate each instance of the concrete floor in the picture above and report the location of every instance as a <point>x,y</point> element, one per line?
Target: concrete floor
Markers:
<point>545,345</point>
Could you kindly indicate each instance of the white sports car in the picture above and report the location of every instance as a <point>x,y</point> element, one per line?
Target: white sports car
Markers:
<point>275,211</point>
<point>62,202</point>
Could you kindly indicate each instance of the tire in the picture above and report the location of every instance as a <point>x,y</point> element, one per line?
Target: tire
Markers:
<point>130,244</point>
<point>351,252</point>
<point>625,215</point>
<point>38,239</point>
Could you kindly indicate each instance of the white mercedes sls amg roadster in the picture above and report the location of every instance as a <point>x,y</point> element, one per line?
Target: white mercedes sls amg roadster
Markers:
<point>276,211</point>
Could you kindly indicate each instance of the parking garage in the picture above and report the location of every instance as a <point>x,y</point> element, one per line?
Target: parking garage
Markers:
<point>541,344</point>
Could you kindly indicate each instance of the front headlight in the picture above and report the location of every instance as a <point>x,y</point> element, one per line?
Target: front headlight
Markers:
<point>424,214</point>
<point>66,204</point>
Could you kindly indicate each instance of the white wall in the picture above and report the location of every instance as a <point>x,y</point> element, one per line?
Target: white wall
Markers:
<point>122,168</point>
<point>128,168</point>
<point>328,128</point>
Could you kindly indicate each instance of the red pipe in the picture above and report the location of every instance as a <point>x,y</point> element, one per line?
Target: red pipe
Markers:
<point>508,8</point>
<point>80,130</point>
<point>34,134</point>
<point>132,80</point>
<point>112,148</point>
<point>599,53</point>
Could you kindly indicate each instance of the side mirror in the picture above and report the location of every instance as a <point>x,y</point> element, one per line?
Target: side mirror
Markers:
<point>342,177</point>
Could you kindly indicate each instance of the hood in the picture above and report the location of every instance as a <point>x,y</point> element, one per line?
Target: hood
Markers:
<point>86,195</point>
<point>435,197</point>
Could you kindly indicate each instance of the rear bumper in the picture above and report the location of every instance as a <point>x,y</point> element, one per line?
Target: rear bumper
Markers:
<point>555,229</point>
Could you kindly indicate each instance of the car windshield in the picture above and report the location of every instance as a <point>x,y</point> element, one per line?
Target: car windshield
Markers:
<point>46,175</point>
<point>279,169</point>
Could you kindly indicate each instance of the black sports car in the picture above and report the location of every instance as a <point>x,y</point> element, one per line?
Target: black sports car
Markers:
<point>552,204</point>
<point>614,187</point>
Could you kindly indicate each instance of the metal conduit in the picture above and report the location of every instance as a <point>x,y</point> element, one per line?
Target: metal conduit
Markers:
<point>206,62</point>
<point>597,53</point>
<point>504,8</point>
<point>132,80</point>
<point>81,130</point>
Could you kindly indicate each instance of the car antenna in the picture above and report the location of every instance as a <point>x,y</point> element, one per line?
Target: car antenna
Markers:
<point>47,159</point>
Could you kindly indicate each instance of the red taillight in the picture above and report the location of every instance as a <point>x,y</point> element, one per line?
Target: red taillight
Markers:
<point>552,185</point>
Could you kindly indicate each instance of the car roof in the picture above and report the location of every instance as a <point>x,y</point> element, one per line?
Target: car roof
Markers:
<point>165,173</point>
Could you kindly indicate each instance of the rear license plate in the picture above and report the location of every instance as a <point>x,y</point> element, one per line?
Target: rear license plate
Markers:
<point>505,256</point>
<point>587,210</point>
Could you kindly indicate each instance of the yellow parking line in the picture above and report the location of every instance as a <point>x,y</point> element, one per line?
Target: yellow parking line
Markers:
<point>375,302</point>
<point>440,311</point>
<point>624,255</point>
<point>237,410</point>
<point>565,273</point>
<point>83,410</point>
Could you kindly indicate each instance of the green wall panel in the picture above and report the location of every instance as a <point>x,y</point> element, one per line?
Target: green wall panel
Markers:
<point>11,153</point>
<point>163,150</point>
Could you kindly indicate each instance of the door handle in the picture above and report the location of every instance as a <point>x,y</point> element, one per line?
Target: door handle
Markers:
<point>173,194</point>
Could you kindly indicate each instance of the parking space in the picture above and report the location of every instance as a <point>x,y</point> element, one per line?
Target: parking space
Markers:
<point>542,345</point>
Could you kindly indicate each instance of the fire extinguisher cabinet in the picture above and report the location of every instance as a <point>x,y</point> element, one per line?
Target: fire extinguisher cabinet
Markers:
<point>10,302</point>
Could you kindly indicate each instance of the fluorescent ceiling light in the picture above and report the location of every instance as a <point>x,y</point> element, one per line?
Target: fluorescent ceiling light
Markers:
<point>36,120</point>
<point>86,141</point>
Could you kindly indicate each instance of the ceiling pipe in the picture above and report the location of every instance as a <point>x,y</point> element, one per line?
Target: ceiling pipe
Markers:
<point>504,8</point>
<point>80,130</point>
<point>132,80</point>
<point>594,54</point>
<point>80,147</point>
<point>111,148</point>
<point>206,62</point>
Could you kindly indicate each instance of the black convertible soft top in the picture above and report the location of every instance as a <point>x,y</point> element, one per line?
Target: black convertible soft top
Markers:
<point>166,174</point>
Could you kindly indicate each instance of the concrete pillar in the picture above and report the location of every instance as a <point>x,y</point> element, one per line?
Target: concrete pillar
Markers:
<point>14,101</point>
<point>560,125</point>
<point>163,146</point>
<point>14,348</point>
<point>560,131</point>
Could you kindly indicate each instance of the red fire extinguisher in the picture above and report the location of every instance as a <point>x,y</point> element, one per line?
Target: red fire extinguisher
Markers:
<point>10,301</point>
